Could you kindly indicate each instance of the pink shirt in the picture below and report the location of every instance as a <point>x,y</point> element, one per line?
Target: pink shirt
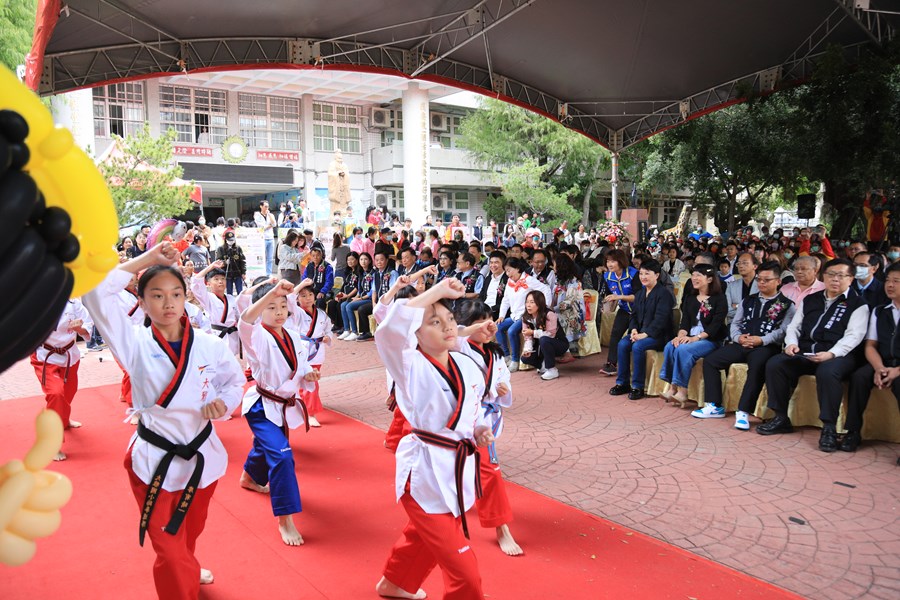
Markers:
<point>792,291</point>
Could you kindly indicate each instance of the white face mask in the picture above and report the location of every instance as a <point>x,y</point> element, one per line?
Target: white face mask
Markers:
<point>229,242</point>
<point>862,272</point>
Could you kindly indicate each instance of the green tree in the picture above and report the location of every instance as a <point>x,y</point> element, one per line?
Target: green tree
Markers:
<point>500,136</point>
<point>16,28</point>
<point>734,159</point>
<point>848,128</point>
<point>525,186</point>
<point>140,174</point>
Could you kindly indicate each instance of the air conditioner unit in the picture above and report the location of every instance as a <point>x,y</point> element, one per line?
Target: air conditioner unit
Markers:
<point>439,122</point>
<point>380,118</point>
<point>383,198</point>
<point>438,201</point>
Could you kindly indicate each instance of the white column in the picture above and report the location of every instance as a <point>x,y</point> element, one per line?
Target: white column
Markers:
<point>416,159</point>
<point>614,181</point>
<point>75,112</point>
<point>308,155</point>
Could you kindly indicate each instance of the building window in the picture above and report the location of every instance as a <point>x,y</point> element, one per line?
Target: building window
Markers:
<point>461,202</point>
<point>270,122</point>
<point>197,116</point>
<point>388,137</point>
<point>671,210</point>
<point>336,126</point>
<point>118,109</point>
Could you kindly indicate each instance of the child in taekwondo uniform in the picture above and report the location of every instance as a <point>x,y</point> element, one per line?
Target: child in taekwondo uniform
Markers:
<point>57,359</point>
<point>493,507</point>
<point>314,327</point>
<point>440,394</point>
<point>182,380</point>
<point>279,360</point>
<point>208,287</point>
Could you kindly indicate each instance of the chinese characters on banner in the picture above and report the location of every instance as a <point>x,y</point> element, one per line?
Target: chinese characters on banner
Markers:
<point>192,151</point>
<point>276,155</point>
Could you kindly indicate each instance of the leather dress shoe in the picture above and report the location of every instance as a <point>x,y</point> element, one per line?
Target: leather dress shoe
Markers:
<point>851,441</point>
<point>636,394</point>
<point>780,424</point>
<point>619,390</point>
<point>828,438</point>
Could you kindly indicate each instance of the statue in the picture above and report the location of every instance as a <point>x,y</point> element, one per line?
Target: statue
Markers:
<point>338,184</point>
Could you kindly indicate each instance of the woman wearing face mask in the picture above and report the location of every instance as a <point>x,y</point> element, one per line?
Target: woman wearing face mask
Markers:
<point>235,264</point>
<point>893,253</point>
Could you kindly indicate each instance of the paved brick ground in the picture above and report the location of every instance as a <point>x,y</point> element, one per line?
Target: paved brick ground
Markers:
<point>723,494</point>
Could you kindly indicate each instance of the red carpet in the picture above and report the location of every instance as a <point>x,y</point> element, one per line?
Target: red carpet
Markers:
<point>349,523</point>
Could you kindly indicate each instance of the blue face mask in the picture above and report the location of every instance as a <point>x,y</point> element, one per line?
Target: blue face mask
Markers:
<point>788,254</point>
<point>893,255</point>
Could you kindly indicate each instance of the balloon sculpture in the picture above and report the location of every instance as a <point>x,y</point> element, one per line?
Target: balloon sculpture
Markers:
<point>58,227</point>
<point>30,498</point>
<point>58,230</point>
<point>167,228</point>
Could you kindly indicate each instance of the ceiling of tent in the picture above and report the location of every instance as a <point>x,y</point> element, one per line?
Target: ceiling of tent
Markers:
<point>616,71</point>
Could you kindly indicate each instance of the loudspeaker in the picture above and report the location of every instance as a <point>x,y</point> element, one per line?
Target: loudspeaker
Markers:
<point>806,206</point>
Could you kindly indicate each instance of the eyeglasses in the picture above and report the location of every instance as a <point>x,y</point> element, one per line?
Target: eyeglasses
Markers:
<point>833,275</point>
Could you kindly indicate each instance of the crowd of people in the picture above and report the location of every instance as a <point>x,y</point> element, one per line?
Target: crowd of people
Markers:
<point>786,304</point>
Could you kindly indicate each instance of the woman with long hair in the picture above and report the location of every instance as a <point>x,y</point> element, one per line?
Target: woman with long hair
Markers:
<point>339,253</point>
<point>544,339</point>
<point>703,328</point>
<point>349,290</point>
<point>365,286</point>
<point>290,257</point>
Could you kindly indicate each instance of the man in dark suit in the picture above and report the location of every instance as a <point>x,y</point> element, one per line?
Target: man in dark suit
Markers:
<point>865,284</point>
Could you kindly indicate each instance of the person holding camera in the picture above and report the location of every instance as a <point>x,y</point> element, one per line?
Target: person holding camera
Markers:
<point>235,269</point>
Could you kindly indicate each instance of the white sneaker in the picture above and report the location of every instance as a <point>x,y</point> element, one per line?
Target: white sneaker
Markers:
<point>742,420</point>
<point>709,411</point>
<point>314,422</point>
<point>344,335</point>
<point>541,371</point>
<point>507,360</point>
<point>351,338</point>
<point>550,374</point>
<point>513,366</point>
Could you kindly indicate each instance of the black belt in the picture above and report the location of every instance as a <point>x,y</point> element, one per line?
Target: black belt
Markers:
<point>463,449</point>
<point>184,452</point>
<point>224,330</point>
<point>54,350</point>
<point>285,403</point>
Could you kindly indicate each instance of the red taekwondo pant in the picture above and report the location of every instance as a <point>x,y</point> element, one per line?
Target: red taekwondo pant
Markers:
<point>493,507</point>
<point>58,387</point>
<point>176,572</point>
<point>311,399</point>
<point>430,540</point>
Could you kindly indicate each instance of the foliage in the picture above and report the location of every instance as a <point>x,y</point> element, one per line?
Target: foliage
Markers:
<point>732,159</point>
<point>495,207</point>
<point>140,178</point>
<point>525,186</point>
<point>502,137</point>
<point>16,27</point>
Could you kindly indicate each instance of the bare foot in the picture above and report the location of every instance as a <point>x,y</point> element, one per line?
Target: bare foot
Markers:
<point>386,589</point>
<point>60,456</point>
<point>206,576</point>
<point>248,484</point>
<point>289,533</point>
<point>314,422</point>
<point>74,424</point>
<point>507,543</point>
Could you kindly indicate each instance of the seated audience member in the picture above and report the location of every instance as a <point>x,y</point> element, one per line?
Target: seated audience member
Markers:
<point>805,280</point>
<point>882,350</point>
<point>545,340</point>
<point>495,283</point>
<point>649,326</point>
<point>513,304</point>
<point>757,331</point>
<point>469,275</point>
<point>820,341</point>
<point>702,331</point>
<point>865,284</point>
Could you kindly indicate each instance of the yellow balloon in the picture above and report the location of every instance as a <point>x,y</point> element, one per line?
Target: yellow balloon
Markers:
<point>69,179</point>
<point>30,498</point>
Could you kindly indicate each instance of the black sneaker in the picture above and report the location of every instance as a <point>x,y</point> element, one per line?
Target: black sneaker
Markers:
<point>364,337</point>
<point>619,390</point>
<point>609,369</point>
<point>780,424</point>
<point>851,441</point>
<point>828,438</point>
<point>636,394</point>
